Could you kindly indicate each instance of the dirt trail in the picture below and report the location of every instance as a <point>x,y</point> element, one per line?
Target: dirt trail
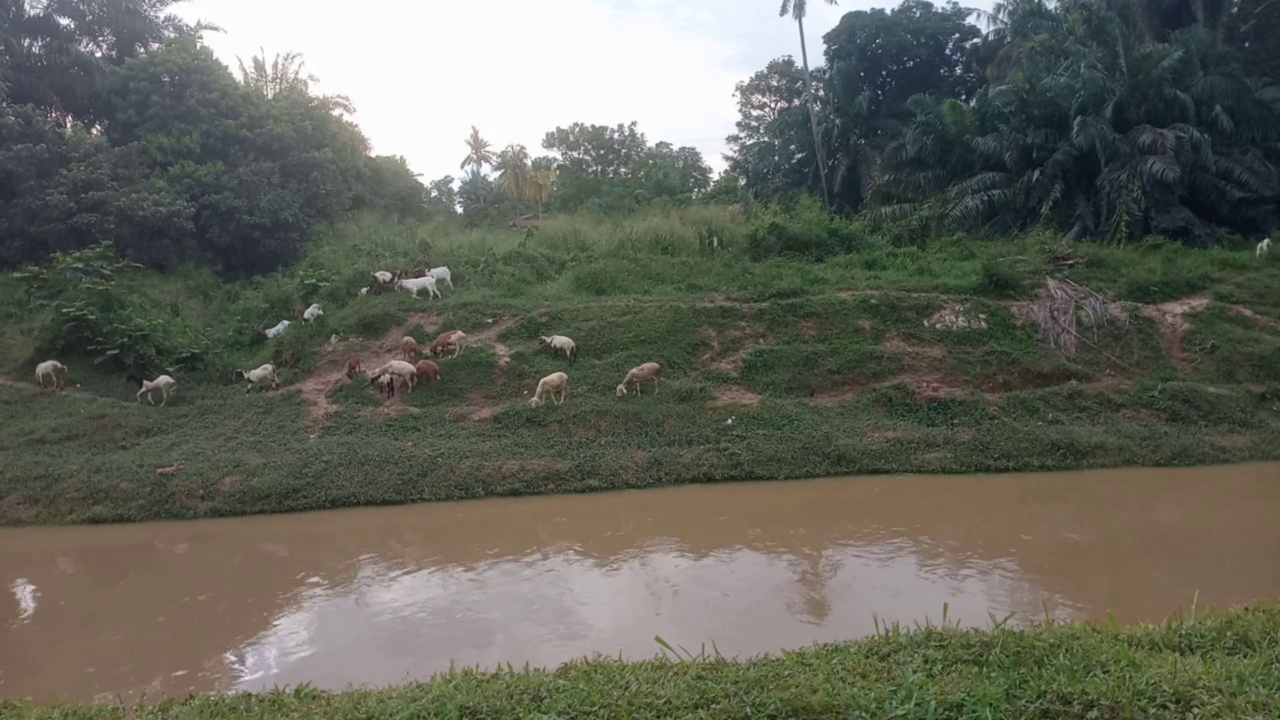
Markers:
<point>1170,318</point>
<point>331,369</point>
<point>331,365</point>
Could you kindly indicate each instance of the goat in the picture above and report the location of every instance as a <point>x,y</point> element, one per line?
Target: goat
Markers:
<point>363,291</point>
<point>259,377</point>
<point>425,369</point>
<point>648,372</point>
<point>441,274</point>
<point>163,383</point>
<point>454,338</point>
<point>400,370</point>
<point>54,371</point>
<point>556,382</point>
<point>353,366</point>
<point>1264,247</point>
<point>558,343</point>
<point>382,277</point>
<point>277,330</point>
<point>387,382</point>
<point>312,312</point>
<point>297,312</point>
<point>417,285</point>
<point>409,349</point>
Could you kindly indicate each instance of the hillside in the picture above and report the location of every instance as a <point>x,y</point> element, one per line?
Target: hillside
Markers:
<point>885,360</point>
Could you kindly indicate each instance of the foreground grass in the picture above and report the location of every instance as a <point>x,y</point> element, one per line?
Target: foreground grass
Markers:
<point>1222,666</point>
<point>778,369</point>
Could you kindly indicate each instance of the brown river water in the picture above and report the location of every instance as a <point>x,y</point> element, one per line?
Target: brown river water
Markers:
<point>384,595</point>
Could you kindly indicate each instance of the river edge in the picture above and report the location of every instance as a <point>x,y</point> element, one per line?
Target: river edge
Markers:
<point>1211,665</point>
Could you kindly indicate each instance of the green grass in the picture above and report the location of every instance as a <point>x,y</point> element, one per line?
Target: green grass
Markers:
<point>849,377</point>
<point>1219,666</point>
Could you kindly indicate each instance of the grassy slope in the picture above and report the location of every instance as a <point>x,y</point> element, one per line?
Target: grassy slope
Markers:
<point>1223,666</point>
<point>849,378</point>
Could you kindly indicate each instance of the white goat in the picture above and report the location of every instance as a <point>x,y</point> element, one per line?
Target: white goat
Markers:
<point>1264,247</point>
<point>261,377</point>
<point>312,312</point>
<point>648,372</point>
<point>53,371</point>
<point>278,330</point>
<point>416,285</point>
<point>549,386</point>
<point>399,370</point>
<point>382,277</point>
<point>441,274</point>
<point>164,384</point>
<point>559,343</point>
<point>363,291</point>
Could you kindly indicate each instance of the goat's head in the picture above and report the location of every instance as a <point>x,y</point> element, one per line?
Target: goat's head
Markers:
<point>621,390</point>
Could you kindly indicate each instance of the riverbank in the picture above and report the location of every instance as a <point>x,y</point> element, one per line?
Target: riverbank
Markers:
<point>891,360</point>
<point>1218,666</point>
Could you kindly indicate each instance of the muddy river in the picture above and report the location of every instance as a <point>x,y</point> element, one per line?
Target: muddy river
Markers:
<point>378,596</point>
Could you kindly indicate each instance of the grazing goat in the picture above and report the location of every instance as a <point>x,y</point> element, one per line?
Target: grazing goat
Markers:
<point>445,340</point>
<point>426,369</point>
<point>312,312</point>
<point>1264,247</point>
<point>549,386</point>
<point>260,377</point>
<point>53,371</point>
<point>417,285</point>
<point>387,383</point>
<point>441,274</point>
<point>164,384</point>
<point>277,330</point>
<point>409,349</point>
<point>558,343</point>
<point>382,277</point>
<point>648,372</point>
<point>399,370</point>
<point>353,365</point>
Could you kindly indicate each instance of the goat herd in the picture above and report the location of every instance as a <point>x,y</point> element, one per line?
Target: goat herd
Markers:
<point>406,373</point>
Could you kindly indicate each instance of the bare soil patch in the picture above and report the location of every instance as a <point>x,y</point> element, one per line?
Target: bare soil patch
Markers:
<point>895,343</point>
<point>1171,320</point>
<point>727,349</point>
<point>478,410</point>
<point>808,328</point>
<point>1262,320</point>
<point>734,395</point>
<point>331,365</point>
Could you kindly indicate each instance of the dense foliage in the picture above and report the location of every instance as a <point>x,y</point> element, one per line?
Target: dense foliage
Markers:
<point>117,125</point>
<point>1110,119</point>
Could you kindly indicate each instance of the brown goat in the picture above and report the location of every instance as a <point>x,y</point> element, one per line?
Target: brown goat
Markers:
<point>353,366</point>
<point>455,339</point>
<point>427,369</point>
<point>409,347</point>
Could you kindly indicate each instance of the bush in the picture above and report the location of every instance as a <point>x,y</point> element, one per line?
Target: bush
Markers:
<point>803,230</point>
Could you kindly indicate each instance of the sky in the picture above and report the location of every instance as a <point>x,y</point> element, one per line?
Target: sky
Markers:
<point>422,72</point>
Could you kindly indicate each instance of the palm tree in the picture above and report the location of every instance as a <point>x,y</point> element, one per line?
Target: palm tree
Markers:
<point>478,152</point>
<point>797,9</point>
<point>540,185</point>
<point>513,168</point>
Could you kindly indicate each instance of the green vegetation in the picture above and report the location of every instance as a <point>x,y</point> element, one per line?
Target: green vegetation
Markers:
<point>778,368</point>
<point>1220,666</point>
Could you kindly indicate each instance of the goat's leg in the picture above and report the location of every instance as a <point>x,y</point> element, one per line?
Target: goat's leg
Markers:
<point>164,392</point>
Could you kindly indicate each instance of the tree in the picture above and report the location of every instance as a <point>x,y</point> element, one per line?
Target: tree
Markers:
<point>478,152</point>
<point>772,151</point>
<point>58,54</point>
<point>442,194</point>
<point>797,9</point>
<point>392,188</point>
<point>1254,29</point>
<point>513,171</point>
<point>541,185</point>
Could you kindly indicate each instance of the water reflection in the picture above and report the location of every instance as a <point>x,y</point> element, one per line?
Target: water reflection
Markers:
<point>382,595</point>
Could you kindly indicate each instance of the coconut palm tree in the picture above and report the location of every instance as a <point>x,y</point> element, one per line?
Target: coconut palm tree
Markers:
<point>513,168</point>
<point>478,152</point>
<point>797,10</point>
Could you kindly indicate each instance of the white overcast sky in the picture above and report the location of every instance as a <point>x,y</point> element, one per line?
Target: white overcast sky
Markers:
<point>421,72</point>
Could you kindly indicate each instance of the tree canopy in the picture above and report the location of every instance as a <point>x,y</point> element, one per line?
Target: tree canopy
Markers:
<point>1111,119</point>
